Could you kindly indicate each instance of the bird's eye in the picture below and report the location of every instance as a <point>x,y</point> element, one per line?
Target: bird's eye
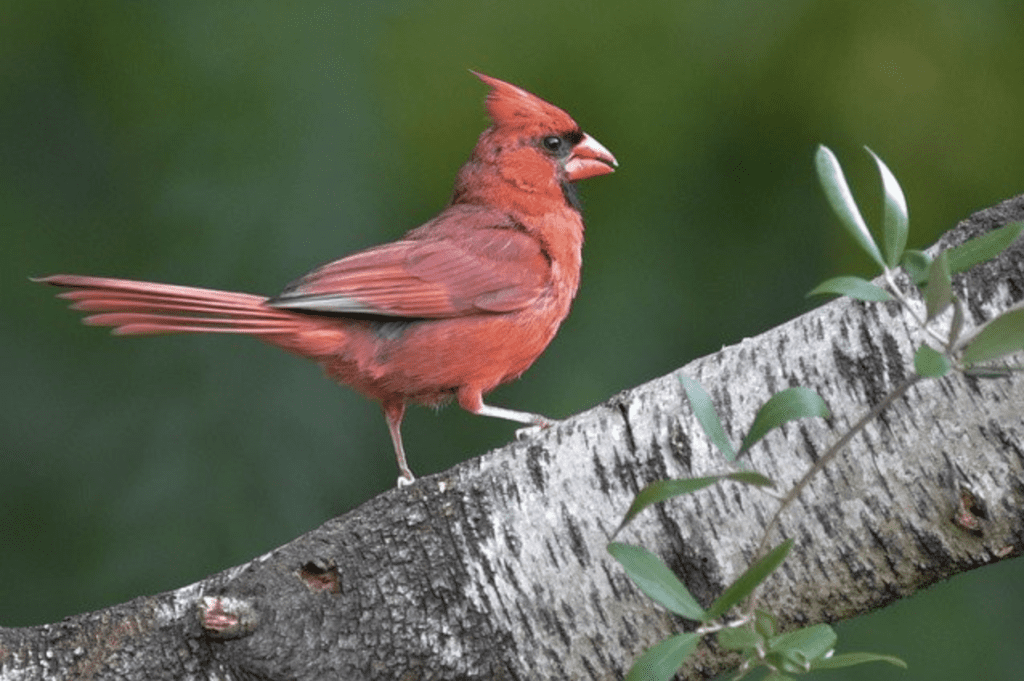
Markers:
<point>552,143</point>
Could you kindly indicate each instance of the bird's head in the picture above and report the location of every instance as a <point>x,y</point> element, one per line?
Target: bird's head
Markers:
<point>529,137</point>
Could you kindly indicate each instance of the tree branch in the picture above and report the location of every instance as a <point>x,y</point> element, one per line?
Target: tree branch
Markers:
<point>497,569</point>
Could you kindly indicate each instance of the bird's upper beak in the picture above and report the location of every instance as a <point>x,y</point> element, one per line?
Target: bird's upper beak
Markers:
<point>589,158</point>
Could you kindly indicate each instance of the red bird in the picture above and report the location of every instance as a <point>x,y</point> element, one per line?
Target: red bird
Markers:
<point>456,307</point>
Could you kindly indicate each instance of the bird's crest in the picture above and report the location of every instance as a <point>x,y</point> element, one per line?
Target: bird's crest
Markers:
<point>513,107</point>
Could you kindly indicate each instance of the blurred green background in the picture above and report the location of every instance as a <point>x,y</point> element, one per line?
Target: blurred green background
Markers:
<point>238,144</point>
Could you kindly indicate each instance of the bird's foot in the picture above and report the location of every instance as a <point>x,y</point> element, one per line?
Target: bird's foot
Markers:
<point>539,425</point>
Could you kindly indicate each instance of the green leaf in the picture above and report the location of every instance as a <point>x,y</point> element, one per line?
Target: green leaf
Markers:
<point>656,580</point>
<point>850,659</point>
<point>895,217</point>
<point>751,478</point>
<point>662,661</point>
<point>706,415</point>
<point>1001,336</point>
<point>930,363</point>
<point>748,581</point>
<point>782,407</point>
<point>765,623</point>
<point>661,490</point>
<point>780,661</point>
<point>854,287</point>
<point>803,646</point>
<point>992,371</point>
<point>938,294</point>
<point>739,638</point>
<point>839,197</point>
<point>956,325</point>
<point>984,247</point>
<point>916,264</point>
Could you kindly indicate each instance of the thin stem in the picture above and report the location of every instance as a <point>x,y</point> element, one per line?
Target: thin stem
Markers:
<point>716,627</point>
<point>905,304</point>
<point>829,455</point>
<point>832,452</point>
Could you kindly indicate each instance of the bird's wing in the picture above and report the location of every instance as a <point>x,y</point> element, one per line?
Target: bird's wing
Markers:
<point>446,271</point>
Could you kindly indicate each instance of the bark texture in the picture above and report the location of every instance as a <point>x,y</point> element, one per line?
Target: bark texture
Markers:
<point>497,569</point>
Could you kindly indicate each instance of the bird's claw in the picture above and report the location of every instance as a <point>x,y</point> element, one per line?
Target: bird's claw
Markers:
<point>540,425</point>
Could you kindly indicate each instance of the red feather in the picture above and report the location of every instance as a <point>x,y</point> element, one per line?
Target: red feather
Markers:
<point>493,266</point>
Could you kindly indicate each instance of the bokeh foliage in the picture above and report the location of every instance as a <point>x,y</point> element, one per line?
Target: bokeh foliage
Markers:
<point>238,144</point>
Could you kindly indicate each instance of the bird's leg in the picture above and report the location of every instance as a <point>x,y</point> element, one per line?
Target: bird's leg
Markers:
<point>473,402</point>
<point>393,413</point>
<point>513,415</point>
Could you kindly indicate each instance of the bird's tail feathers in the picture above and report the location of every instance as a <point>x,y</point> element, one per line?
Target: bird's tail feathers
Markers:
<point>142,307</point>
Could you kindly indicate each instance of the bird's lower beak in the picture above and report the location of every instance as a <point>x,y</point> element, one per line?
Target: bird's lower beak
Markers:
<point>589,158</point>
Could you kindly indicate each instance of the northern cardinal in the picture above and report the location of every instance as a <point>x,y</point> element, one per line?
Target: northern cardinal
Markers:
<point>456,307</point>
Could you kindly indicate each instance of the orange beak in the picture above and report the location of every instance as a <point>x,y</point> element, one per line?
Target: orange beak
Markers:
<point>589,158</point>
